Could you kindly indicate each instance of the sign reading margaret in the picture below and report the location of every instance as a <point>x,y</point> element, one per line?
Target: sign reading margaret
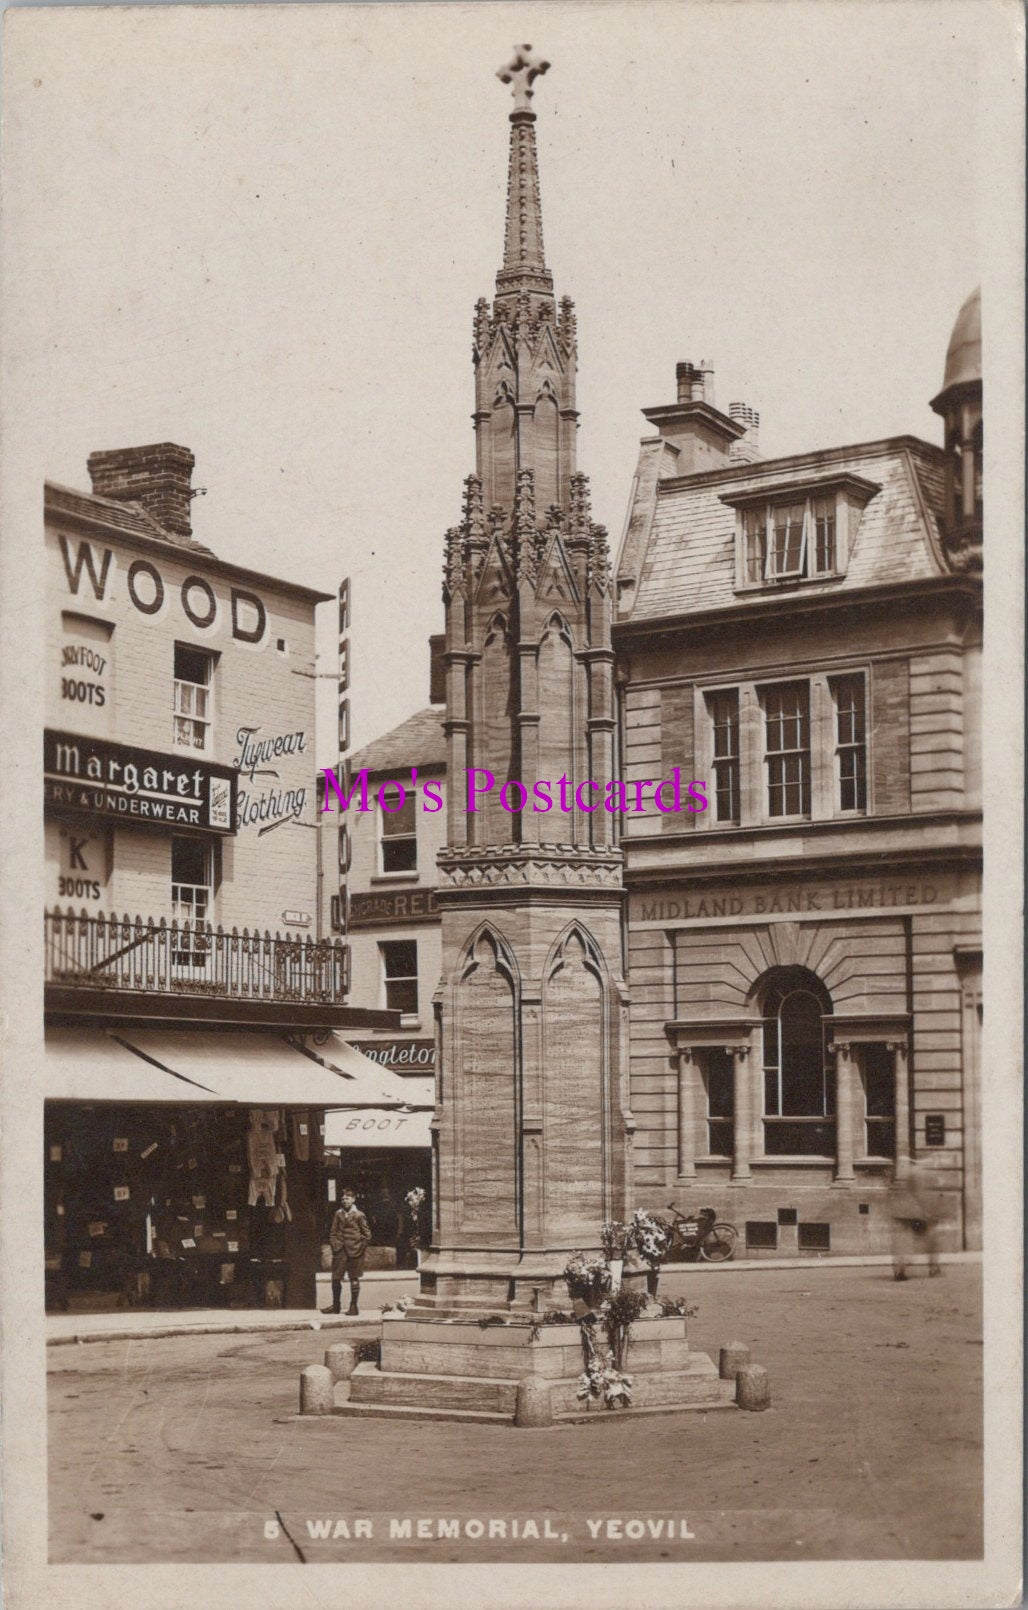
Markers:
<point>136,785</point>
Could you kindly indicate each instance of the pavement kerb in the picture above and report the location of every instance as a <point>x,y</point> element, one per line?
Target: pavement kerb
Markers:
<point>252,1327</point>
<point>238,1327</point>
<point>855,1260</point>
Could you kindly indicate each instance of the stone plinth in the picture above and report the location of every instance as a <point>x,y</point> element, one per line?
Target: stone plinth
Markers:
<point>444,1363</point>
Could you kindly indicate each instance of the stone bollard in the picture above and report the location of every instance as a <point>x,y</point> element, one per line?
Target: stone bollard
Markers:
<point>752,1387</point>
<point>534,1406</point>
<point>341,1360</point>
<point>316,1390</point>
<point>732,1359</point>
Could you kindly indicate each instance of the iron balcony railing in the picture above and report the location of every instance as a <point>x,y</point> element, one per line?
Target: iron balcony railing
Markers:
<point>140,954</point>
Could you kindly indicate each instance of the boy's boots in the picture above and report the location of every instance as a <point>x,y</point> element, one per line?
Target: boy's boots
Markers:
<point>355,1287</point>
<point>337,1298</point>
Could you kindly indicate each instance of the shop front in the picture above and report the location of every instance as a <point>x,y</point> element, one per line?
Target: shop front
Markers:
<point>199,1180</point>
<point>385,1158</point>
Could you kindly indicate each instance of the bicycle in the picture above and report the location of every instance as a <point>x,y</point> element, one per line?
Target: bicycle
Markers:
<point>701,1237</point>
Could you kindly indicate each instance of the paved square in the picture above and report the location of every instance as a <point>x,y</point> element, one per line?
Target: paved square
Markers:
<point>179,1449</point>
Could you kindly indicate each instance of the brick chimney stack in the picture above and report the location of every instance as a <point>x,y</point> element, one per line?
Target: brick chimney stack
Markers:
<point>702,437</point>
<point>159,477</point>
<point>747,449</point>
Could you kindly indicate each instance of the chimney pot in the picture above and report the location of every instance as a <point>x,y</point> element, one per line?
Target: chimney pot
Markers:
<point>685,376</point>
<point>747,449</point>
<point>158,476</point>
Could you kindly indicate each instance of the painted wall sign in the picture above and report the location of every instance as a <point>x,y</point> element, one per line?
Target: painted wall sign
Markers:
<point>83,674</point>
<point>374,910</point>
<point>143,786</point>
<point>78,863</point>
<point>261,755</point>
<point>82,679</point>
<point>851,897</point>
<point>405,1056</point>
<point>90,571</point>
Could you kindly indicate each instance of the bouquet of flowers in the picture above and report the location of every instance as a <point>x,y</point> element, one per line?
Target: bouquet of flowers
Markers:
<point>411,1223</point>
<point>601,1380</point>
<point>614,1237</point>
<point>649,1238</point>
<point>619,1315</point>
<point>586,1276</point>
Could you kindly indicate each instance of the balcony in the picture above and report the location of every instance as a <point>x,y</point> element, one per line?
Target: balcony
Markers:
<point>145,969</point>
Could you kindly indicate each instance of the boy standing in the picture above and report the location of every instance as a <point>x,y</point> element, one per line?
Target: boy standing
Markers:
<point>349,1237</point>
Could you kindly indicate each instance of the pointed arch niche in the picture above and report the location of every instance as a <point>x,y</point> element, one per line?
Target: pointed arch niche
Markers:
<point>486,1014</point>
<point>575,1060</point>
<point>546,447</point>
<point>493,744</point>
<point>503,426</point>
<point>556,723</point>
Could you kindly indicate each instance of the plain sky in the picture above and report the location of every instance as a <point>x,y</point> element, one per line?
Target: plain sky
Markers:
<point>260,232</point>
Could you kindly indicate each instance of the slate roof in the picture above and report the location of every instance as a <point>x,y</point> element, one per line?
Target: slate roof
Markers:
<point>688,563</point>
<point>114,512</point>
<point>418,741</point>
<point>111,514</point>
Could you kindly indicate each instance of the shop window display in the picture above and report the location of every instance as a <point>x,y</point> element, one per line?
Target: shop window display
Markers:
<point>150,1206</point>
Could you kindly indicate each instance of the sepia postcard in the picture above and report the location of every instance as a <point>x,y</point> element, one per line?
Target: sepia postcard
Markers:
<point>516,1095</point>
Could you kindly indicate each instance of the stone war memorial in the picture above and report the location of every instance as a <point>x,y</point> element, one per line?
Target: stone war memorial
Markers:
<point>532,1132</point>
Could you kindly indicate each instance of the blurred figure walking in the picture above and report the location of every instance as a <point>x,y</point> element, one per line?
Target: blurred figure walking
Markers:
<point>914,1208</point>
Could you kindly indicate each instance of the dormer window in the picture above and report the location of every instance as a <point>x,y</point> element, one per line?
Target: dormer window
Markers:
<point>796,533</point>
<point>789,541</point>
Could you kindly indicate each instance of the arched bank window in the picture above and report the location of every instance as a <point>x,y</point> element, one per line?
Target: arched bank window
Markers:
<point>798,1096</point>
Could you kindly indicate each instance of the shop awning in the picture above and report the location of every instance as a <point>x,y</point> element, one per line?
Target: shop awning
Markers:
<point>86,1064</point>
<point>92,1065</point>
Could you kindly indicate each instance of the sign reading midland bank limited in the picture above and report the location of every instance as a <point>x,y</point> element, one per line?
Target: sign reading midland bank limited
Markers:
<point>138,785</point>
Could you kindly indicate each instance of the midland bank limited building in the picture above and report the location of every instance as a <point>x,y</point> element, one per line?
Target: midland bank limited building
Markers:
<point>805,956</point>
<point>194,1010</point>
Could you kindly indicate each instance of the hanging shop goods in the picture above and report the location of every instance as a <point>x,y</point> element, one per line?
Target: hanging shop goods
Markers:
<point>178,1207</point>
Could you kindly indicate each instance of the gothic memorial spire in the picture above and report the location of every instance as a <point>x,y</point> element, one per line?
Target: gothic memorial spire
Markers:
<point>527,580</point>
<point>525,416</point>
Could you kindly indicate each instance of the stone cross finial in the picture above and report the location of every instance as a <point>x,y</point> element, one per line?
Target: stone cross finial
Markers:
<point>521,71</point>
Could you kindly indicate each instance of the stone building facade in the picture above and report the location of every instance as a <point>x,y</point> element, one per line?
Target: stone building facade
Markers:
<point>192,1006</point>
<point>805,956</point>
<point>157,646</point>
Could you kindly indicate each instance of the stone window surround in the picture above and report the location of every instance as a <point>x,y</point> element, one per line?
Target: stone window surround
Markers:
<point>739,1037</point>
<point>824,775</point>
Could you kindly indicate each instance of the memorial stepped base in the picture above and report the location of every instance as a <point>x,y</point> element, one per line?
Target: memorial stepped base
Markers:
<point>435,1365</point>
